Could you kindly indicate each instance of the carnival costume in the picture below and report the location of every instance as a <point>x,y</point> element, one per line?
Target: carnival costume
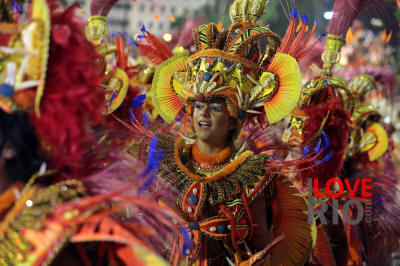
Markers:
<point>216,192</point>
<point>49,71</point>
<point>337,110</point>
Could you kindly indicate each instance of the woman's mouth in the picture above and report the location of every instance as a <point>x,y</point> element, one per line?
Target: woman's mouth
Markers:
<point>203,124</point>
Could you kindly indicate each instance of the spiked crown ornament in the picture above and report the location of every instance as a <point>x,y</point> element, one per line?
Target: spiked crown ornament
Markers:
<point>231,65</point>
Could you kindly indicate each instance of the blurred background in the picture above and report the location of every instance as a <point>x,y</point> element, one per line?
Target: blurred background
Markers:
<point>168,17</point>
<point>373,44</point>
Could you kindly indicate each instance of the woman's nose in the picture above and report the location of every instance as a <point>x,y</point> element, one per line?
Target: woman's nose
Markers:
<point>205,111</point>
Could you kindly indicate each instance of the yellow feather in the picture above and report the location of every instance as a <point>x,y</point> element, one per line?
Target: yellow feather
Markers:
<point>166,98</point>
<point>288,92</point>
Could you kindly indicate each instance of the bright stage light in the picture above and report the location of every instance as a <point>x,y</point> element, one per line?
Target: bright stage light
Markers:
<point>328,15</point>
<point>167,37</point>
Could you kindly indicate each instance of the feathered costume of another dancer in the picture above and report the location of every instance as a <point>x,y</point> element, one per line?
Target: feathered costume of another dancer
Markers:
<point>128,84</point>
<point>114,59</point>
<point>334,108</point>
<point>369,155</point>
<point>327,104</point>
<point>49,71</point>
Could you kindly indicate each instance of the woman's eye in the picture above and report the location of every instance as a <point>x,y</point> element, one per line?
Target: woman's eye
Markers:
<point>198,105</point>
<point>216,108</point>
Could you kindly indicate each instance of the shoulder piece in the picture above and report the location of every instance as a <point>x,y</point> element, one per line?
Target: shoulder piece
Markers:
<point>244,171</point>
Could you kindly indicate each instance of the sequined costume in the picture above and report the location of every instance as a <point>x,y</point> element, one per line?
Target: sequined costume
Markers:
<point>218,192</point>
<point>49,73</point>
<point>337,110</point>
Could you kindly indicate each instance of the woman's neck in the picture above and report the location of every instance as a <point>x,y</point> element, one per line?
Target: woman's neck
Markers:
<point>210,149</point>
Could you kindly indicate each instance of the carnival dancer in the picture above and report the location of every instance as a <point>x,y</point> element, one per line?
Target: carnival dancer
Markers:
<point>333,109</point>
<point>50,87</point>
<point>227,190</point>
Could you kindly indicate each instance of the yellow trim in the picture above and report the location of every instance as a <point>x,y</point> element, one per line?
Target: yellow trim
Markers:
<point>382,142</point>
<point>122,77</point>
<point>19,205</point>
<point>41,11</point>
<point>97,18</point>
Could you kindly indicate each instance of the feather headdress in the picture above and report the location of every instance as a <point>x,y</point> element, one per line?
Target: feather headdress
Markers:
<point>229,64</point>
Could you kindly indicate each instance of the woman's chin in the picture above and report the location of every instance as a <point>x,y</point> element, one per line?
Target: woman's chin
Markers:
<point>204,137</point>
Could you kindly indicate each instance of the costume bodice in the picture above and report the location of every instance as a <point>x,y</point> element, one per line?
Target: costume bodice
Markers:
<point>213,198</point>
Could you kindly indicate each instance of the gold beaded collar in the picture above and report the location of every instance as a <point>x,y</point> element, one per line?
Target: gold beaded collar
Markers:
<point>221,185</point>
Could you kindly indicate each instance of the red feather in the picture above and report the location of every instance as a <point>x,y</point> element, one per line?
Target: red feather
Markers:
<point>297,47</point>
<point>303,50</point>
<point>337,130</point>
<point>287,39</point>
<point>322,252</point>
<point>73,99</point>
<point>310,34</point>
<point>155,49</point>
<point>297,41</point>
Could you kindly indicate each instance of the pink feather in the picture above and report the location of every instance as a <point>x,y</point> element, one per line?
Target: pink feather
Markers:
<point>101,7</point>
<point>346,11</point>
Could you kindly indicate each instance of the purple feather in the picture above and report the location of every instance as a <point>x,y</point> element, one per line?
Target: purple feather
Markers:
<point>143,29</point>
<point>148,182</point>
<point>304,19</point>
<point>138,101</point>
<point>154,157</point>
<point>328,156</point>
<point>306,150</point>
<point>113,96</point>
<point>318,147</point>
<point>187,243</point>
<point>294,13</point>
<point>327,143</point>
<point>131,42</point>
<point>146,120</point>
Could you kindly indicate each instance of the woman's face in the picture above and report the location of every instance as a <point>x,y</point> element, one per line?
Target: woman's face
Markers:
<point>212,122</point>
